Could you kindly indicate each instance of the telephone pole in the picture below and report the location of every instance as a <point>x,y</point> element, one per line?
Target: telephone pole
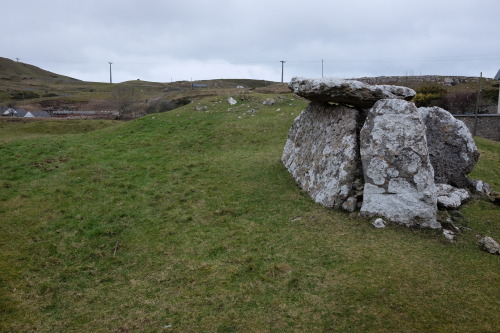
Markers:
<point>110,78</point>
<point>497,77</point>
<point>477,104</point>
<point>282,63</point>
<point>321,68</point>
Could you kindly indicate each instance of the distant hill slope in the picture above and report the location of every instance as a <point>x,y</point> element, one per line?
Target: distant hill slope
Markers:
<point>13,71</point>
<point>33,88</point>
<point>30,87</point>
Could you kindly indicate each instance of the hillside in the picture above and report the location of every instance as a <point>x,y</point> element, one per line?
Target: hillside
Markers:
<point>33,88</point>
<point>18,71</point>
<point>186,221</point>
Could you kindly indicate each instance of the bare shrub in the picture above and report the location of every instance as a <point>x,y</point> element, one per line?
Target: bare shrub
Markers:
<point>460,102</point>
<point>124,98</point>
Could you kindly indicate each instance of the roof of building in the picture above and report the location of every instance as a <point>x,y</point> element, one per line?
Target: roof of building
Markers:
<point>199,85</point>
<point>16,112</point>
<point>497,77</point>
<point>40,114</point>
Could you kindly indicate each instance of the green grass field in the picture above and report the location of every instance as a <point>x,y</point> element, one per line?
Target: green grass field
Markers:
<point>35,128</point>
<point>186,221</point>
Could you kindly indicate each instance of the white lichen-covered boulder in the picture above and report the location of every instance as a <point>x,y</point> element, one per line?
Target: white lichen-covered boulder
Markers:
<point>322,154</point>
<point>452,150</point>
<point>399,179</point>
<point>350,92</point>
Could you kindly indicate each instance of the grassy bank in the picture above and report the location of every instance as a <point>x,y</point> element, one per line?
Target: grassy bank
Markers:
<point>33,128</point>
<point>187,222</point>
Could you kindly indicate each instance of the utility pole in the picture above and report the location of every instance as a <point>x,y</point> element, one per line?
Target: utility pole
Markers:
<point>110,78</point>
<point>497,77</point>
<point>477,104</point>
<point>322,68</point>
<point>282,63</point>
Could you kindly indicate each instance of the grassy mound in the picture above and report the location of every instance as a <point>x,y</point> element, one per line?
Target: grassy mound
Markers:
<point>186,221</point>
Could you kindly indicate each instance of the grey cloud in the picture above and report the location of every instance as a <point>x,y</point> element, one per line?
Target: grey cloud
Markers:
<point>235,38</point>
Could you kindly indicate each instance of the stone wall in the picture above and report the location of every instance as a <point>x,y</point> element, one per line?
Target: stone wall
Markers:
<point>488,125</point>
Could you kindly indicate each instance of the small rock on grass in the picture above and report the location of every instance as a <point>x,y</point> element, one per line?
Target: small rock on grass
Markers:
<point>268,101</point>
<point>482,187</point>
<point>379,223</point>
<point>488,244</point>
<point>449,235</point>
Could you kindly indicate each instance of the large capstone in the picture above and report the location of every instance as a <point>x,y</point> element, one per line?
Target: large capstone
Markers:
<point>399,179</point>
<point>321,152</point>
<point>349,92</point>
<point>452,150</point>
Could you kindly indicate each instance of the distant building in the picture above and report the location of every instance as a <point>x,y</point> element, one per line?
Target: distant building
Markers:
<point>21,113</point>
<point>5,111</point>
<point>37,114</point>
<point>497,77</point>
<point>12,112</point>
<point>199,85</point>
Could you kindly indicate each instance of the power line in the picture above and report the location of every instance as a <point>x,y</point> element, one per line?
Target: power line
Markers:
<point>422,59</point>
<point>295,64</point>
<point>331,60</point>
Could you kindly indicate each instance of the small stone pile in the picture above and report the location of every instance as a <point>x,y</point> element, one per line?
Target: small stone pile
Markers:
<point>366,147</point>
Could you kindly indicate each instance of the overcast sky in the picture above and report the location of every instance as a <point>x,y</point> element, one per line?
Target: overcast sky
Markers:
<point>177,40</point>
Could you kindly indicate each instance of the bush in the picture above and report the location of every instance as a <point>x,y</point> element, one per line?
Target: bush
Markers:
<point>490,94</point>
<point>125,98</point>
<point>460,102</point>
<point>428,89</point>
<point>22,95</point>
<point>166,105</point>
<point>428,95</point>
<point>422,99</point>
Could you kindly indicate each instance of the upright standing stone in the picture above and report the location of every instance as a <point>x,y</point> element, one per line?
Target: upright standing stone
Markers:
<point>399,179</point>
<point>321,152</point>
<point>452,149</point>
